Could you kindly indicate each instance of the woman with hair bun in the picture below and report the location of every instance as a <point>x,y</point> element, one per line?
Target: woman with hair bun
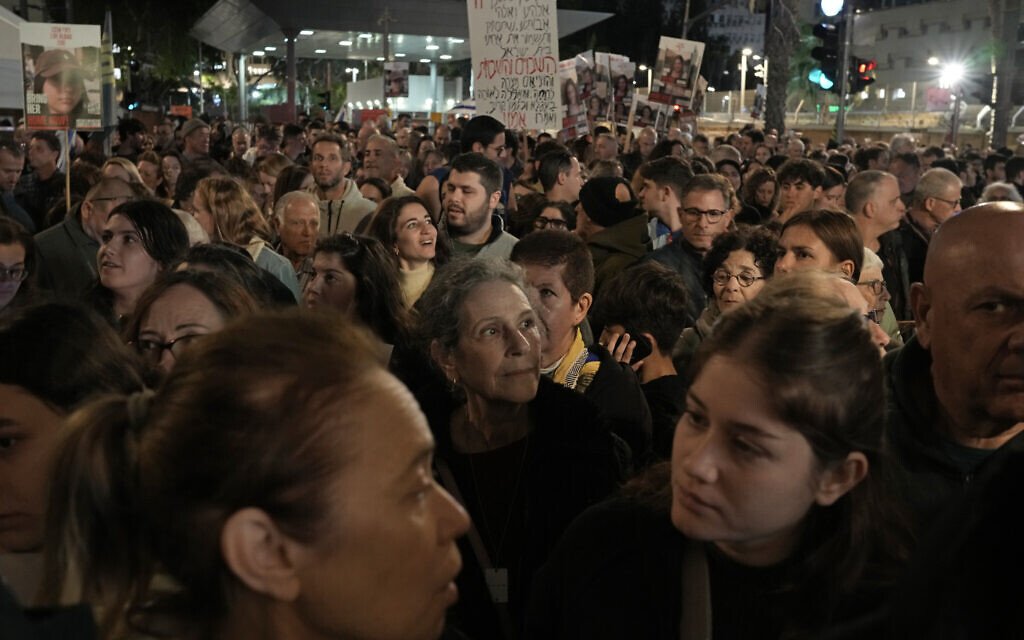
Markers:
<point>279,479</point>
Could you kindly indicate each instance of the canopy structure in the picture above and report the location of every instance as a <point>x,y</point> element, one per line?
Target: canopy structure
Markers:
<point>244,26</point>
<point>402,30</point>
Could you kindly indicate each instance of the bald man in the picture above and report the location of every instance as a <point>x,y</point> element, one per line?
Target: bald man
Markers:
<point>957,387</point>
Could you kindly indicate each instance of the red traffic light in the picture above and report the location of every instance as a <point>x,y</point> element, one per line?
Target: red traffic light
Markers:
<point>866,66</point>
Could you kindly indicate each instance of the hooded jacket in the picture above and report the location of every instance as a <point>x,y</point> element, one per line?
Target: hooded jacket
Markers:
<point>617,247</point>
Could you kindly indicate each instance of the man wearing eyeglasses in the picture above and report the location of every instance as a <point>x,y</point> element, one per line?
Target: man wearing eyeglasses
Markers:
<point>705,212</point>
<point>936,200</point>
<point>66,253</point>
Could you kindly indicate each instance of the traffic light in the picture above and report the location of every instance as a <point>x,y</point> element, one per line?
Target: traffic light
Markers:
<point>984,92</point>
<point>826,73</point>
<point>325,100</point>
<point>862,73</point>
<point>130,101</point>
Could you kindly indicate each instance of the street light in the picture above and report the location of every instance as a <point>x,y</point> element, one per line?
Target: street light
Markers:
<point>650,73</point>
<point>952,74</point>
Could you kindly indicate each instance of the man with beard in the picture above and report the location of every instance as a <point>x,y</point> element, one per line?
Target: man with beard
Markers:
<point>471,194</point>
<point>341,204</point>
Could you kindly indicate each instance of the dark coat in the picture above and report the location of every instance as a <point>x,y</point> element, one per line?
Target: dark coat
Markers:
<point>569,465</point>
<point>617,247</point>
<point>931,476</point>
<point>66,258</point>
<point>683,258</point>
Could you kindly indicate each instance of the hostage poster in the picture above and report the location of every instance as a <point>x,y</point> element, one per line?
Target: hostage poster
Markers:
<point>676,72</point>
<point>61,64</point>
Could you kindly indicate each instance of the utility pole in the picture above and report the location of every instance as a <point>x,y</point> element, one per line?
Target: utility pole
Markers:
<point>844,68</point>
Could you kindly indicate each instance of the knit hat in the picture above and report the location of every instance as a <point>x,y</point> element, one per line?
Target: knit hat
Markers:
<point>600,204</point>
<point>192,125</point>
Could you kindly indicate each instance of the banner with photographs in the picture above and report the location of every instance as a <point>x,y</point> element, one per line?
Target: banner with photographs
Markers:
<point>574,116</point>
<point>652,114</point>
<point>396,79</point>
<point>622,74</point>
<point>585,75</point>
<point>599,103</point>
<point>676,72</point>
<point>61,64</point>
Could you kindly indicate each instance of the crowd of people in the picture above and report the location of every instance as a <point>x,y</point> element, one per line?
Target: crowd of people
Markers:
<point>396,381</point>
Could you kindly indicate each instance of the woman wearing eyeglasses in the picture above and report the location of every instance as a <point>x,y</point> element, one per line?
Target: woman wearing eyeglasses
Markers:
<point>556,215</point>
<point>735,270</point>
<point>416,247</point>
<point>17,257</point>
<point>181,308</point>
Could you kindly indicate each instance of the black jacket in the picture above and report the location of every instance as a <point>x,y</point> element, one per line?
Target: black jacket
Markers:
<point>569,464</point>
<point>684,259</point>
<point>931,476</point>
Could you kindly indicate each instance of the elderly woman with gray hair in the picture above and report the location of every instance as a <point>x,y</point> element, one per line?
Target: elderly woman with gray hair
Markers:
<point>524,455</point>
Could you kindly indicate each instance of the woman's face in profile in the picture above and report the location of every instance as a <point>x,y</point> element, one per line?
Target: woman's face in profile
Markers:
<point>124,263</point>
<point>746,489</point>
<point>332,286</point>
<point>180,316</point>
<point>63,92</point>
<point>29,435</point>
<point>386,563</point>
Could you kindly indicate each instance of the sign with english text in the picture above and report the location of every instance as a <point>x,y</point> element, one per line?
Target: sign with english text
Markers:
<point>514,44</point>
<point>61,64</point>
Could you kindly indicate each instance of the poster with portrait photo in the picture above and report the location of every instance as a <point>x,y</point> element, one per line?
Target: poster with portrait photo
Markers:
<point>585,75</point>
<point>646,112</point>
<point>61,66</point>
<point>574,116</point>
<point>396,79</point>
<point>599,102</point>
<point>622,88</point>
<point>675,75</point>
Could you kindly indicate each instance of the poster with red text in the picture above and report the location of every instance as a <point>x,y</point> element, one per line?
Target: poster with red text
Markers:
<point>514,44</point>
<point>61,64</point>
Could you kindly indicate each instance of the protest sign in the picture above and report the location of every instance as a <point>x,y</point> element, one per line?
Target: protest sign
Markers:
<point>677,70</point>
<point>574,116</point>
<point>396,79</point>
<point>61,64</point>
<point>622,73</point>
<point>514,44</point>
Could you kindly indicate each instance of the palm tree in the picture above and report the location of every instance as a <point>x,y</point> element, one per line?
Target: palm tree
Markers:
<point>780,42</point>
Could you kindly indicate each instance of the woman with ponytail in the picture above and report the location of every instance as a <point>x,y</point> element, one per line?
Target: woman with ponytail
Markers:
<point>277,485</point>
